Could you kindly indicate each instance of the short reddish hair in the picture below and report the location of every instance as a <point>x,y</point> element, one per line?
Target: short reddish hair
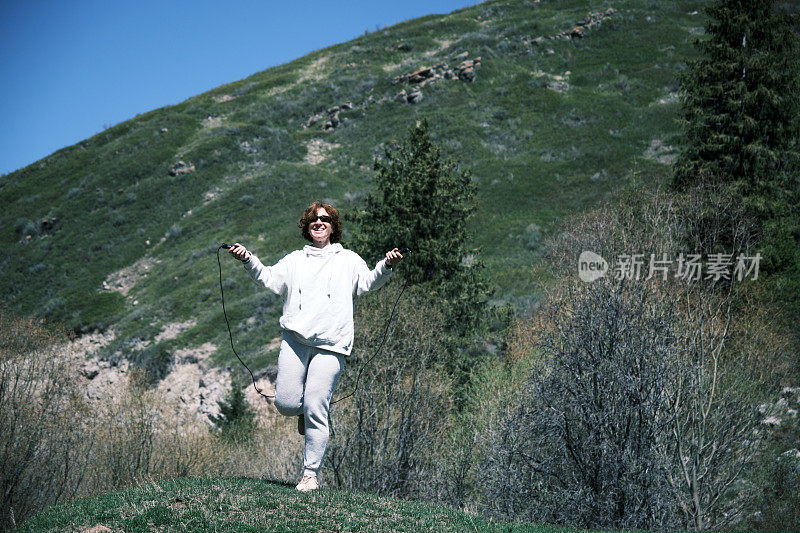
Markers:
<point>311,214</point>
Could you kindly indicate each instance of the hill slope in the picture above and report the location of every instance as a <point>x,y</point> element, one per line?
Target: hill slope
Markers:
<point>255,505</point>
<point>114,231</point>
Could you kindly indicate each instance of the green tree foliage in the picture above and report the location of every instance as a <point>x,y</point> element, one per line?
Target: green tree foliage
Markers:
<point>425,202</point>
<point>741,105</point>
<point>236,418</point>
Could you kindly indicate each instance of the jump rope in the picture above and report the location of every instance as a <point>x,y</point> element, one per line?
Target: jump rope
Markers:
<point>253,378</point>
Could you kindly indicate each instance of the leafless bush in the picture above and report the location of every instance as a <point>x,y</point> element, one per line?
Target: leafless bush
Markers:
<point>704,220</point>
<point>389,435</point>
<point>642,412</point>
<point>582,447</point>
<point>127,432</point>
<point>147,438</point>
<point>43,448</point>
<point>713,435</point>
<point>492,394</point>
<point>56,445</point>
<point>713,219</point>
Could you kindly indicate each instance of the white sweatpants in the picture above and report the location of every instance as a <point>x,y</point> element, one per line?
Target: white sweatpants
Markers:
<point>305,383</point>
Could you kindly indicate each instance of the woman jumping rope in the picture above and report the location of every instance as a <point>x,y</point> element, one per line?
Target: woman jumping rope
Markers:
<point>319,285</point>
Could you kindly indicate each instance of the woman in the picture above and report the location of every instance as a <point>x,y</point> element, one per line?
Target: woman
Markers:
<point>319,285</point>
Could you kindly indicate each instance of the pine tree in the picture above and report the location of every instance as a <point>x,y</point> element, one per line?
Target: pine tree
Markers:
<point>424,202</point>
<point>741,107</point>
<point>236,418</point>
<point>741,120</point>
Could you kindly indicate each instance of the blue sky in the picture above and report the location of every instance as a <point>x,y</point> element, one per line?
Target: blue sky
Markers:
<point>69,69</point>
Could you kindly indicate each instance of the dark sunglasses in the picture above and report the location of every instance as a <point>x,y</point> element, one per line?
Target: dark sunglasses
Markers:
<point>323,218</point>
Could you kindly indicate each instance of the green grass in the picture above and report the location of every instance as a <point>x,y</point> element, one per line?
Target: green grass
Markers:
<point>537,156</point>
<point>236,504</point>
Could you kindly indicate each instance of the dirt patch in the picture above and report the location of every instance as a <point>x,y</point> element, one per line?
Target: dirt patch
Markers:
<point>442,44</point>
<point>210,196</point>
<point>391,67</point>
<point>101,377</point>
<point>658,151</point>
<point>314,71</point>
<point>123,280</point>
<point>669,98</point>
<point>173,329</point>
<point>212,122</point>
<point>264,408</point>
<point>195,386</point>
<point>224,98</point>
<point>89,344</point>
<point>106,378</point>
<point>192,387</point>
<point>555,82</point>
<point>317,150</point>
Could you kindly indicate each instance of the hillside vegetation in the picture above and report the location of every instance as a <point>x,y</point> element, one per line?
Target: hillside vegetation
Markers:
<point>102,233</point>
<point>661,403</point>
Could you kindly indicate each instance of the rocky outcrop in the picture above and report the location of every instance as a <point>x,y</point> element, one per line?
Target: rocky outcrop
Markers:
<point>330,118</point>
<point>181,167</point>
<point>412,97</point>
<point>578,30</point>
<point>422,76</point>
<point>465,71</point>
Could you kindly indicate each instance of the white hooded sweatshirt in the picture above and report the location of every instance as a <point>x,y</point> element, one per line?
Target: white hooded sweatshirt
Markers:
<point>319,287</point>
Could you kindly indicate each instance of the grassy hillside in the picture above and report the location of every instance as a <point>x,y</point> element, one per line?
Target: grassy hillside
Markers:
<point>253,505</point>
<point>548,127</point>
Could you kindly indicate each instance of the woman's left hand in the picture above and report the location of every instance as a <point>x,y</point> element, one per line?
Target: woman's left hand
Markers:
<point>393,257</point>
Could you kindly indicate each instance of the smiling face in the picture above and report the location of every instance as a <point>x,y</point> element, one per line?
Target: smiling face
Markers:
<point>320,231</point>
<point>317,232</point>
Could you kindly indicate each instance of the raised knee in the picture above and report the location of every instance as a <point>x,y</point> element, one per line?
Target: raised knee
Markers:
<point>288,406</point>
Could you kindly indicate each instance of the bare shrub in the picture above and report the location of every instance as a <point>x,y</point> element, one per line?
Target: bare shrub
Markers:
<point>126,434</point>
<point>492,394</point>
<point>389,434</point>
<point>582,447</point>
<point>55,445</point>
<point>713,396</point>
<point>43,448</point>
<point>642,413</point>
<point>703,220</point>
<point>147,438</point>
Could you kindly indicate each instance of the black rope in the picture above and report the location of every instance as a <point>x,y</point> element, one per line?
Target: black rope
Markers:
<point>230,334</point>
<point>383,340</point>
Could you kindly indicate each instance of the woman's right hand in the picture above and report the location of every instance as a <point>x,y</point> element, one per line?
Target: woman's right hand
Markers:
<point>240,252</point>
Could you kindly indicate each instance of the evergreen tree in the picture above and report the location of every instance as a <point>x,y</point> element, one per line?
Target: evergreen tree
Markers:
<point>424,202</point>
<point>741,120</point>
<point>741,107</point>
<point>236,418</point>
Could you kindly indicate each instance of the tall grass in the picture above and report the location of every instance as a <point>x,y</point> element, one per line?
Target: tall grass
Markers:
<point>57,445</point>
